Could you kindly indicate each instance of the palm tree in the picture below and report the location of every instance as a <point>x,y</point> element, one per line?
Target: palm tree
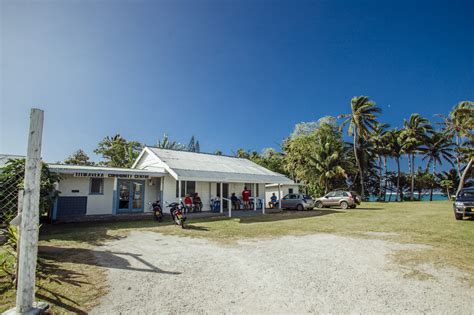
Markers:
<point>380,149</point>
<point>395,151</point>
<point>415,132</point>
<point>360,121</point>
<point>459,124</point>
<point>117,151</point>
<point>166,143</point>
<point>437,148</point>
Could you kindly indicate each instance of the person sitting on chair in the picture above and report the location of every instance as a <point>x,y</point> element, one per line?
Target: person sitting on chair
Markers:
<point>273,201</point>
<point>235,202</point>
<point>197,202</point>
<point>188,203</point>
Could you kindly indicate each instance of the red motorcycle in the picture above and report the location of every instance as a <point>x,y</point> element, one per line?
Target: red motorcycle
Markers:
<point>177,213</point>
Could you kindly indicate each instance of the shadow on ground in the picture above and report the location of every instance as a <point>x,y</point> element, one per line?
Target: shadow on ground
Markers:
<point>108,259</point>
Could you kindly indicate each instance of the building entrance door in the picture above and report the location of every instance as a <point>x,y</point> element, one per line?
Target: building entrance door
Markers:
<point>131,195</point>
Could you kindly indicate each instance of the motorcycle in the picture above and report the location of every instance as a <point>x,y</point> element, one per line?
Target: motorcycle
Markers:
<point>157,211</point>
<point>177,213</point>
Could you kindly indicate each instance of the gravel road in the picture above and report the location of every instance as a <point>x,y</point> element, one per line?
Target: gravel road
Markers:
<point>153,273</point>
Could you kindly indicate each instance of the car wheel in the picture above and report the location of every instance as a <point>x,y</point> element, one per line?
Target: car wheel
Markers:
<point>458,216</point>
<point>299,207</point>
<point>344,205</point>
<point>319,204</point>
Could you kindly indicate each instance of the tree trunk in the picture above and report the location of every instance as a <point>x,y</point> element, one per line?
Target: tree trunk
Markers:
<point>458,160</point>
<point>398,180</point>
<point>463,177</point>
<point>447,190</point>
<point>412,173</point>
<point>434,176</point>
<point>385,178</point>
<point>380,178</point>
<point>362,195</point>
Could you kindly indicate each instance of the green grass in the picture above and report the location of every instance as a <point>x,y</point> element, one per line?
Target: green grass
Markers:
<point>432,223</point>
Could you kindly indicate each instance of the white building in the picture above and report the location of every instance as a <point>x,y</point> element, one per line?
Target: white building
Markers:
<point>157,174</point>
<point>285,189</point>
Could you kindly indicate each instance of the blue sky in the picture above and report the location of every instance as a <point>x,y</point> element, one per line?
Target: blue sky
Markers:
<point>232,73</point>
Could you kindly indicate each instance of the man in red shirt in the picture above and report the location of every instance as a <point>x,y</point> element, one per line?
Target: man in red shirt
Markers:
<point>246,198</point>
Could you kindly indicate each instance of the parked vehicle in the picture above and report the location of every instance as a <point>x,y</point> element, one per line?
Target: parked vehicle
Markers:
<point>157,211</point>
<point>341,198</point>
<point>177,213</point>
<point>297,201</point>
<point>464,204</point>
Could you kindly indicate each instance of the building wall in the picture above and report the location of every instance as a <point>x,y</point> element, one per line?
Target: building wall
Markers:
<point>284,190</point>
<point>104,203</point>
<point>96,204</point>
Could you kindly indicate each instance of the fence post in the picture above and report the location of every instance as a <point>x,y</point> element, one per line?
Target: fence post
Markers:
<point>30,216</point>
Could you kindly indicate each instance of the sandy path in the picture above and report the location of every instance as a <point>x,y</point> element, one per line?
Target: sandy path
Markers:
<point>307,274</point>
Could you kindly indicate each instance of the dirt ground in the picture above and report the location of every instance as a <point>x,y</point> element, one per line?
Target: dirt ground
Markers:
<point>154,273</point>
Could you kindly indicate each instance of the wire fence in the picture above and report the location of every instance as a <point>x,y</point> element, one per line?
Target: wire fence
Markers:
<point>10,188</point>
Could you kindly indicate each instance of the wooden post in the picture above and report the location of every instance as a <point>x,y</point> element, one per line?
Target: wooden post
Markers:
<point>222,200</point>
<point>30,216</point>
<point>264,202</point>
<point>179,191</point>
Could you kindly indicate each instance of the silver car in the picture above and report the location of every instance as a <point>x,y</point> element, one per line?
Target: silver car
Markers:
<point>341,198</point>
<point>297,201</point>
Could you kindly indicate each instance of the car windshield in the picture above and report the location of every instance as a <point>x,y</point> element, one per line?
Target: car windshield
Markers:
<point>467,193</point>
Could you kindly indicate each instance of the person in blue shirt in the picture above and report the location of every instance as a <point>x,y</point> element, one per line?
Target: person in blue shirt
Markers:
<point>273,201</point>
<point>235,202</point>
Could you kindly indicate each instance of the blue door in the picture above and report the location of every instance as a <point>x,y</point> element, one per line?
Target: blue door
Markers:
<point>131,196</point>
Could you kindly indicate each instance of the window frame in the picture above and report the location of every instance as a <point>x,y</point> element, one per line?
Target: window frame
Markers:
<point>101,186</point>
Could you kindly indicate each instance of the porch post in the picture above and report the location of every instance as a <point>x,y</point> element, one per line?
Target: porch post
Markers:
<point>279,196</point>
<point>179,191</point>
<point>264,202</point>
<point>162,184</point>
<point>222,201</point>
<point>254,197</point>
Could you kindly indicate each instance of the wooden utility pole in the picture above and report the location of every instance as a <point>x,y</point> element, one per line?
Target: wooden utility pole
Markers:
<point>30,216</point>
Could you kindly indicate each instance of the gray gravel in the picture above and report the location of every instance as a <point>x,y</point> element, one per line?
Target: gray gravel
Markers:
<point>153,273</point>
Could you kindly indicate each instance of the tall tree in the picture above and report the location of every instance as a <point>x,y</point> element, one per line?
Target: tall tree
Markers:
<point>317,159</point>
<point>436,149</point>
<point>192,145</point>
<point>197,147</point>
<point>361,120</point>
<point>117,151</point>
<point>378,139</point>
<point>79,158</point>
<point>459,125</point>
<point>166,143</point>
<point>415,132</point>
<point>395,151</point>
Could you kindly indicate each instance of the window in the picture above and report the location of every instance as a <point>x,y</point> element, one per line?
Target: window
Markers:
<point>97,186</point>
<point>290,190</point>
<point>190,187</point>
<point>187,187</point>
